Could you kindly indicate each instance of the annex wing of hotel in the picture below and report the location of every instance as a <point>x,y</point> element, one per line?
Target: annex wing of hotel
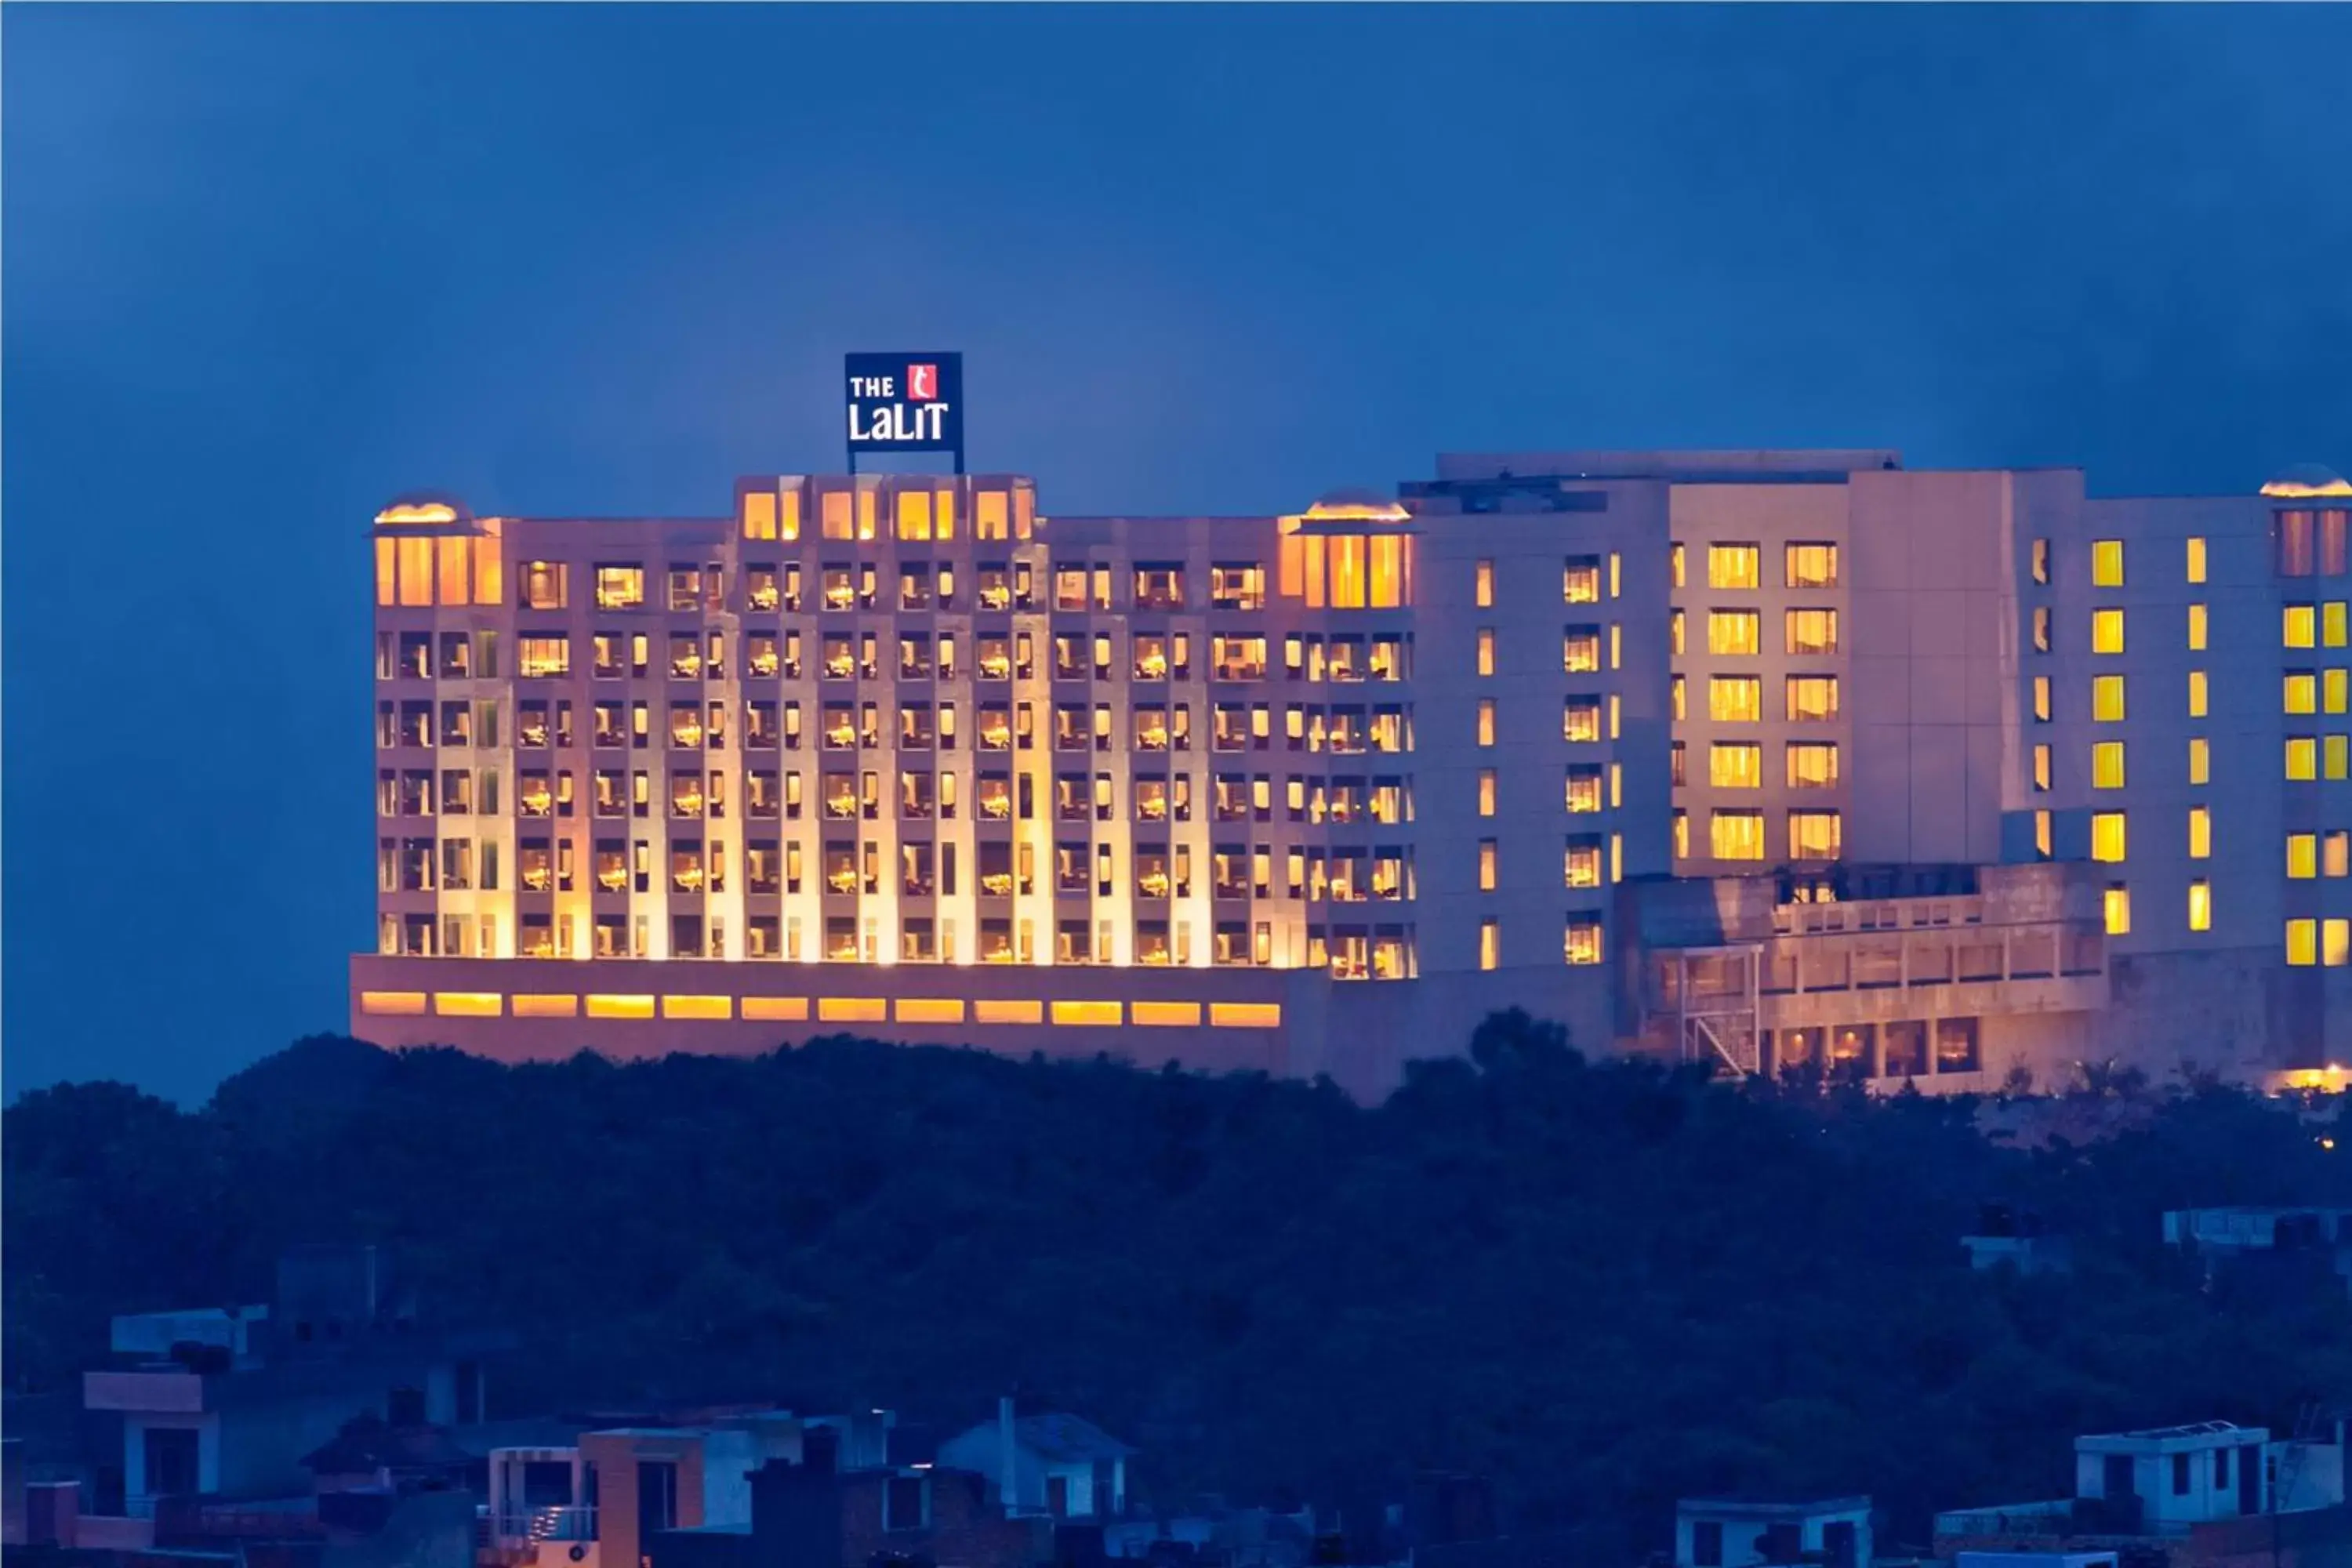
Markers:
<point>1783,759</point>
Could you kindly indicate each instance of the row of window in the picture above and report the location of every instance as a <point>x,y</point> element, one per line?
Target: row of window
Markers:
<point>919,515</point>
<point>1740,835</point>
<point>1347,951</point>
<point>1580,580</point>
<point>1342,730</point>
<point>2108,698</point>
<point>1580,941</point>
<point>846,868</point>
<point>1739,699</point>
<point>1740,633</point>
<point>922,795</point>
<point>1739,764</point>
<point>1811,564</point>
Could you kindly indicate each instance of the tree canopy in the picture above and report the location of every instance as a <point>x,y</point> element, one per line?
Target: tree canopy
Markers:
<point>1605,1285</point>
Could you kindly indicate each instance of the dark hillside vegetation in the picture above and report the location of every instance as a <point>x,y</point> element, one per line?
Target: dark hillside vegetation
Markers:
<point>1603,1285</point>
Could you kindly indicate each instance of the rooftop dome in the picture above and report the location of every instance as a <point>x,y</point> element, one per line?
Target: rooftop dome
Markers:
<point>1355,504</point>
<point>2307,479</point>
<point>424,507</point>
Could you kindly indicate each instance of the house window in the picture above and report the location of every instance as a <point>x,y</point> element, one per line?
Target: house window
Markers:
<point>1706,1543</point>
<point>907,1503</point>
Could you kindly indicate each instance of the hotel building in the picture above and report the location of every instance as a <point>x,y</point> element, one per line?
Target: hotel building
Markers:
<point>1784,759</point>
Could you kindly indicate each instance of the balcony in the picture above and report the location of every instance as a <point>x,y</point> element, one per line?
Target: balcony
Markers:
<point>523,1527</point>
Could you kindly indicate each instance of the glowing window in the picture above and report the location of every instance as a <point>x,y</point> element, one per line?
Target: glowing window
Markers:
<point>2336,853</point>
<point>2334,752</point>
<point>2200,760</point>
<point>1486,720</point>
<point>2108,836</point>
<point>2041,833</point>
<point>851,1010</point>
<point>1734,632</point>
<point>545,1006</point>
<point>2042,769</point>
<point>2332,690</point>
<point>2200,905</point>
<point>2201,833</point>
<point>1490,944</point>
<point>1583,945</point>
<point>1675,700</point>
<point>2107,631</point>
<point>2197,628</point>
<point>1809,565</point>
<point>1007,1012</point>
<point>1735,834</point>
<point>2106,563</point>
<point>2302,757</point>
<point>1485,792</point>
<point>2119,910</point>
<point>1485,650</point>
<point>468,1003</point>
<point>703,1007</point>
<point>2040,561</point>
<point>2198,696</point>
<point>2335,943</point>
<point>2107,699</point>
<point>1812,764</point>
<point>1735,698</point>
<point>1734,566</point>
<point>620,1007</point>
<point>1246,1014</point>
<point>929,1010</point>
<point>776,1009</point>
<point>2302,692</point>
<point>2331,623</point>
<point>1675,562</point>
<point>1486,858</point>
<point>2195,559</point>
<point>2108,764</point>
<point>2299,626</point>
<point>1682,834</point>
<point>2042,700</point>
<point>1167,1015</point>
<point>393,1003</point>
<point>2302,856</point>
<point>1735,765</point>
<point>1810,631</point>
<point>1814,835</point>
<point>1091,1014</point>
<point>1486,584</point>
<point>417,573</point>
<point>2303,942</point>
<point>1812,696</point>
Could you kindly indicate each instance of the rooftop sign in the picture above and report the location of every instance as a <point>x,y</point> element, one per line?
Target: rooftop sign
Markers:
<point>905,402</point>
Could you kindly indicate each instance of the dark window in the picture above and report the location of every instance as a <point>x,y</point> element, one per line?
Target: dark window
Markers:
<point>1706,1544</point>
<point>1838,1544</point>
<point>903,1504</point>
<point>2179,1475</point>
<point>405,1408</point>
<point>1783,1544</point>
<point>2220,1467</point>
<point>171,1461</point>
<point>1057,1495</point>
<point>656,1498</point>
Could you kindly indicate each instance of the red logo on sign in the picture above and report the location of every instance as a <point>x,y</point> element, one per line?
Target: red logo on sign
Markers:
<point>922,383</point>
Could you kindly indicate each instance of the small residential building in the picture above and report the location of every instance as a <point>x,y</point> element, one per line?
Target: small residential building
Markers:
<point>2014,1239</point>
<point>600,1499</point>
<point>224,1404</point>
<point>1727,1532</point>
<point>1055,1464</point>
<point>811,1511</point>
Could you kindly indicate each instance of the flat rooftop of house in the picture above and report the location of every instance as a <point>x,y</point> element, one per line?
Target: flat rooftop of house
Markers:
<point>1064,1438</point>
<point>1757,465</point>
<point>1756,1508</point>
<point>2192,1435</point>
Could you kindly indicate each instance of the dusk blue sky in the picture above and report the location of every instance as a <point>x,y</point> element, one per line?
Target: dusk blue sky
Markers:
<point>265,267</point>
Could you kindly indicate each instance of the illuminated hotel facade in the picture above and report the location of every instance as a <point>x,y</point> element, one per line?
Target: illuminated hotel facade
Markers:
<point>1783,759</point>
